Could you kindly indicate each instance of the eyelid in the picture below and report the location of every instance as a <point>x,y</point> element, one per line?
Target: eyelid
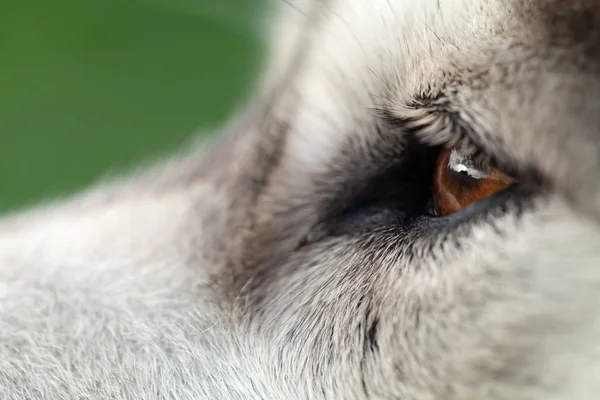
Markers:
<point>436,125</point>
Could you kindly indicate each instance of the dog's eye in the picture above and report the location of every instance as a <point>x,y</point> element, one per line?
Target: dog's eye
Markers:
<point>460,181</point>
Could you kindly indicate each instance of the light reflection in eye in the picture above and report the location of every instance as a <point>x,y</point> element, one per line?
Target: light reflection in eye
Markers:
<point>464,165</point>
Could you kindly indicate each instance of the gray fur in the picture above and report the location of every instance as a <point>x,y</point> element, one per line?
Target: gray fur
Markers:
<point>225,272</point>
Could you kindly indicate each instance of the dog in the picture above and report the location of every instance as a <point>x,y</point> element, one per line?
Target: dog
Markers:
<point>407,208</point>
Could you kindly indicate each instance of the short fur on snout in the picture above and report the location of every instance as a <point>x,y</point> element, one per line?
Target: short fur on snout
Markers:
<point>246,268</point>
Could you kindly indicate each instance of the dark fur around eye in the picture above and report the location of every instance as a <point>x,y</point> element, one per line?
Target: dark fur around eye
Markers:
<point>397,196</point>
<point>401,195</point>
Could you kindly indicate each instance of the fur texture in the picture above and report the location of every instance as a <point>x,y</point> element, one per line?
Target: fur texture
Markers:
<point>250,268</point>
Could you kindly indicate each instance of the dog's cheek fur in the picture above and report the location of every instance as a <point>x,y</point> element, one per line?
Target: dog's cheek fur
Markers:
<point>491,318</point>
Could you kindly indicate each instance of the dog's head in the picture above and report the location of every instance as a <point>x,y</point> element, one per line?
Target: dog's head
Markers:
<point>409,210</point>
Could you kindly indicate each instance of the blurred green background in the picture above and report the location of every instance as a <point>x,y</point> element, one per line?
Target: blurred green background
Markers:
<point>93,86</point>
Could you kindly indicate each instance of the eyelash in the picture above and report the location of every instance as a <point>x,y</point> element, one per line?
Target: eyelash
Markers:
<point>432,127</point>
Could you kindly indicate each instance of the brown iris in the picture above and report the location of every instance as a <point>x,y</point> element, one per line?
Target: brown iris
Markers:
<point>458,182</point>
